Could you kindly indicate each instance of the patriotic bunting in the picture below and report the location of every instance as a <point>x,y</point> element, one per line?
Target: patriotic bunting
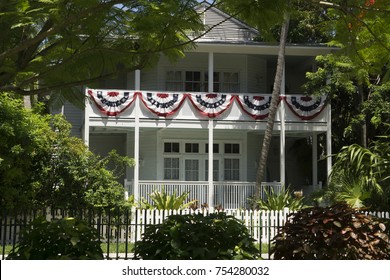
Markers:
<point>305,107</point>
<point>256,106</point>
<point>163,104</point>
<point>211,104</point>
<point>114,102</point>
<point>111,102</point>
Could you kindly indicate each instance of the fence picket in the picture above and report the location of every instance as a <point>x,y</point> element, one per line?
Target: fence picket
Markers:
<point>129,226</point>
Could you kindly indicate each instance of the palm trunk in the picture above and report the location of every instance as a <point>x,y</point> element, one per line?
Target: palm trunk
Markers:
<point>273,106</point>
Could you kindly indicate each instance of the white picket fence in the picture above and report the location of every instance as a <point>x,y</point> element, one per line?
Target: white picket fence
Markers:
<point>129,227</point>
<point>262,225</point>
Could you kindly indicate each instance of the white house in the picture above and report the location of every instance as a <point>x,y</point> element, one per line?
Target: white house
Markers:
<point>192,131</point>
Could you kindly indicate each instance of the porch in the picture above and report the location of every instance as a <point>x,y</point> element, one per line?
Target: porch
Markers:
<point>228,195</point>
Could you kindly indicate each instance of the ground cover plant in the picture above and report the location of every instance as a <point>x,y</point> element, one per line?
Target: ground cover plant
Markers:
<point>194,236</point>
<point>337,232</point>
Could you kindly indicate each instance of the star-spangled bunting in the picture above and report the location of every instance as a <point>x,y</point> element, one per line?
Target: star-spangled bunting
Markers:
<point>112,102</point>
<point>211,104</point>
<point>305,107</point>
<point>257,106</point>
<point>162,104</point>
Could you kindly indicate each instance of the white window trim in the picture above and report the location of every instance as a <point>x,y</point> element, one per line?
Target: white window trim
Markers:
<point>201,156</point>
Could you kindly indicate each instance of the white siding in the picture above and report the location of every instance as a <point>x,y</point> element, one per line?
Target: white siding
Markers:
<point>225,28</point>
<point>117,82</point>
<point>148,154</point>
<point>102,144</point>
<point>75,116</point>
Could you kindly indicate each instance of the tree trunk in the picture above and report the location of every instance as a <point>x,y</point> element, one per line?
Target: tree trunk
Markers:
<point>274,105</point>
<point>363,136</point>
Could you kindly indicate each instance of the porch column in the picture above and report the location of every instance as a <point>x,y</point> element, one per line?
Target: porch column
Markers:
<point>283,132</point>
<point>211,135</point>
<point>314,160</point>
<point>329,140</point>
<point>86,119</point>
<point>136,136</point>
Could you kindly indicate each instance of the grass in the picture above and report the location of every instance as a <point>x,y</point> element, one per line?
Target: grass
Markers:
<point>122,248</point>
<point>113,248</point>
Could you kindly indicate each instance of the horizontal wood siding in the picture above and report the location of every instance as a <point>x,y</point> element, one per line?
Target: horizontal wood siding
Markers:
<point>229,29</point>
<point>148,154</point>
<point>75,116</point>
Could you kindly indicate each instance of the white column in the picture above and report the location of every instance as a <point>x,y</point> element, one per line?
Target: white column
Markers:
<point>211,135</point>
<point>314,160</point>
<point>136,136</point>
<point>211,72</point>
<point>282,132</point>
<point>86,119</point>
<point>329,140</point>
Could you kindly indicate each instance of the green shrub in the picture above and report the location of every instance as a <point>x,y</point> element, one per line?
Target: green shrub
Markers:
<point>279,201</point>
<point>186,237</point>
<point>164,201</point>
<point>337,232</point>
<point>64,239</point>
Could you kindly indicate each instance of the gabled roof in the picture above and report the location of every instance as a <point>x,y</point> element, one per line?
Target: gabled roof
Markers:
<point>224,26</point>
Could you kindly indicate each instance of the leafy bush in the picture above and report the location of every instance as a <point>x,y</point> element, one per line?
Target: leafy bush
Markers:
<point>64,239</point>
<point>164,201</point>
<point>279,201</point>
<point>42,165</point>
<point>186,237</point>
<point>336,232</point>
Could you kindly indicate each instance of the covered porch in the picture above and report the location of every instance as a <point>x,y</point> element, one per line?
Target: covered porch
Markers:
<point>213,156</point>
<point>227,195</point>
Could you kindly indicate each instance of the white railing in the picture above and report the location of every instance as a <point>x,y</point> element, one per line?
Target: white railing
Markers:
<point>228,195</point>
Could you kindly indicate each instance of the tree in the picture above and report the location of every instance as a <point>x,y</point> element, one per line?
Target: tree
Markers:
<point>41,165</point>
<point>356,79</point>
<point>348,19</point>
<point>53,46</point>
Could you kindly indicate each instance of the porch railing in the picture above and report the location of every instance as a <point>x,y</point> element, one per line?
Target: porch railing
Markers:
<point>228,195</point>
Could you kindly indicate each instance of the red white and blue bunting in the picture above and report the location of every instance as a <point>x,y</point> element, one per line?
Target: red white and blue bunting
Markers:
<point>211,104</point>
<point>162,104</point>
<point>257,106</point>
<point>112,102</point>
<point>305,107</point>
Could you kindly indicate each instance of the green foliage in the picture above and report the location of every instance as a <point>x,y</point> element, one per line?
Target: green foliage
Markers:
<point>65,239</point>
<point>62,44</point>
<point>279,201</point>
<point>333,233</point>
<point>197,237</point>
<point>42,165</point>
<point>361,176</point>
<point>163,201</point>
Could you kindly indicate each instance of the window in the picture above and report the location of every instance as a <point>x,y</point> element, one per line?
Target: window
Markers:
<point>171,168</point>
<point>174,81</point>
<point>188,160</point>
<point>215,148</point>
<point>192,81</point>
<point>232,148</point>
<point>171,147</point>
<point>192,148</point>
<point>216,82</point>
<point>191,170</point>
<point>215,170</point>
<point>196,81</point>
<point>232,169</point>
<point>230,82</point>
